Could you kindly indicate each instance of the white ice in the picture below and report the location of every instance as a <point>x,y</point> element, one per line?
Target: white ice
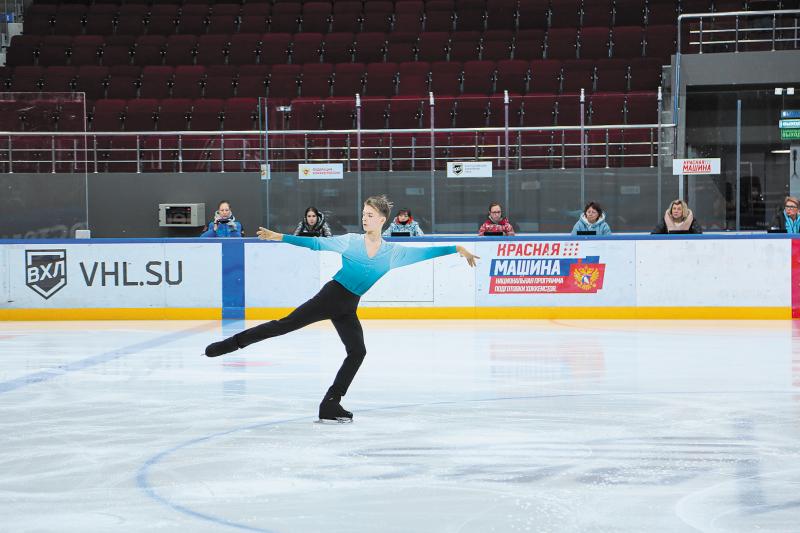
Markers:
<point>460,426</point>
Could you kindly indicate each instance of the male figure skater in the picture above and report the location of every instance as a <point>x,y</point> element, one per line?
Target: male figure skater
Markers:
<point>365,259</point>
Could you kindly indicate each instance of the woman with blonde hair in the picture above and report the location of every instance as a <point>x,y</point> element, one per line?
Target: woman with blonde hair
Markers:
<point>787,219</point>
<point>365,259</point>
<point>678,218</point>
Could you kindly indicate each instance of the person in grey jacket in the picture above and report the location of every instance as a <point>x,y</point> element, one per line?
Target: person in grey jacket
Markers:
<point>592,219</point>
<point>313,222</point>
<point>404,222</point>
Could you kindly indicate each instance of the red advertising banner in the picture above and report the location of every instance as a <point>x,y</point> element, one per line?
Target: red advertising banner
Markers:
<point>536,268</point>
<point>795,278</point>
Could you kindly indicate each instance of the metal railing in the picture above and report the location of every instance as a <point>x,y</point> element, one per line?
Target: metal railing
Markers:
<point>429,148</point>
<point>772,29</point>
<point>724,32</point>
<point>608,146</point>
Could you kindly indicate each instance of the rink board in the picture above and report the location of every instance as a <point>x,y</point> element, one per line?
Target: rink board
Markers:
<point>697,277</point>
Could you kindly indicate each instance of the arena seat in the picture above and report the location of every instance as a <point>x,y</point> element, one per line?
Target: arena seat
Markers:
<point>348,79</point>
<point>381,79</point>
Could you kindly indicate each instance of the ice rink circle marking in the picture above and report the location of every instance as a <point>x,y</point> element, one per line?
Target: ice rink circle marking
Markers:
<point>144,484</point>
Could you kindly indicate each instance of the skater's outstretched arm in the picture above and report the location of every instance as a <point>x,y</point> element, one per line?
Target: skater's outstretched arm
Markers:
<point>331,244</point>
<point>406,256</point>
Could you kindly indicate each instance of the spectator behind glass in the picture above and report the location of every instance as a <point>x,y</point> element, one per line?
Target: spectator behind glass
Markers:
<point>786,218</point>
<point>678,218</point>
<point>496,222</point>
<point>313,222</point>
<point>224,223</point>
<point>404,222</point>
<point>592,219</point>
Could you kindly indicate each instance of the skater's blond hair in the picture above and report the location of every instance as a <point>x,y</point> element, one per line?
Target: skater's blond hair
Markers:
<point>381,204</point>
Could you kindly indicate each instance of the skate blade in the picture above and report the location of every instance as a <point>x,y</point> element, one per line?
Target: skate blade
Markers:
<point>340,420</point>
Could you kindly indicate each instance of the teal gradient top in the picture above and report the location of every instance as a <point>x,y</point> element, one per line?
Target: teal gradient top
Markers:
<point>359,272</point>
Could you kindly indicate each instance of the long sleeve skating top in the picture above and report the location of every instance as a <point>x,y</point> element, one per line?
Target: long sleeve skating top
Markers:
<point>359,272</point>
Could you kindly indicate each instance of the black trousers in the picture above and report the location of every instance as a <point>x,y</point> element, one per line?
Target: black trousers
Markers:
<point>335,303</point>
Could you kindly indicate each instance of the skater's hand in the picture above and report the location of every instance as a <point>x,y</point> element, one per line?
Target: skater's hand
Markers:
<point>471,258</point>
<point>268,235</point>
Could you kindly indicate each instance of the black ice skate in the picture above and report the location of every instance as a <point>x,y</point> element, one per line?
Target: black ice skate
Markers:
<point>215,349</point>
<point>331,411</point>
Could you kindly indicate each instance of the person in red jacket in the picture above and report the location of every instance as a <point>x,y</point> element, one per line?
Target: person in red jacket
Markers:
<point>496,222</point>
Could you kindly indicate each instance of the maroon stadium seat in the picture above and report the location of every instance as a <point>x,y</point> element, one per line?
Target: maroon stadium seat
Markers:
<point>275,48</point>
<point>594,43</point>
<point>220,81</point>
<point>189,81</point>
<point>479,77</point>
<point>414,78</point>
<point>317,79</point>
<point>381,79</point>
<point>369,47</point>
<point>306,48</point>
<point>339,47</point>
<point>109,115</point>
<point>284,81</point>
<point>545,76</point>
<point>316,17</point>
<point>446,77</point>
<point>565,14</point>
<point>513,76</point>
<point>349,79</point>
<point>562,43</point>
<point>578,74</point>
<point>212,49</point>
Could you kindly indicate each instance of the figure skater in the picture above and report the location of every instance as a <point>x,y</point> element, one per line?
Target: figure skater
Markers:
<point>365,259</point>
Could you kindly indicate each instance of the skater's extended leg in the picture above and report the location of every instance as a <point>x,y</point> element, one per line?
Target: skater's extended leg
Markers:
<point>322,306</point>
<point>352,335</point>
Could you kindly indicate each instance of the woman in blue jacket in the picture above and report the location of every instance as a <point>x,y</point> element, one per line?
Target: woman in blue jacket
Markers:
<point>592,219</point>
<point>224,223</point>
<point>365,259</point>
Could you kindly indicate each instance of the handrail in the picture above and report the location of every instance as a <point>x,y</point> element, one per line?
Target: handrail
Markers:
<point>221,151</point>
<point>219,133</point>
<point>701,16</point>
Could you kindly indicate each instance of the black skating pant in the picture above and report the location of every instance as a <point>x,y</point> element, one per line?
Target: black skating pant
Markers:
<point>335,303</point>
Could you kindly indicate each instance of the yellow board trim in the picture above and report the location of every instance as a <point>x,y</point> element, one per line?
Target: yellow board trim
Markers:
<point>418,313</point>
<point>184,313</point>
<point>507,313</point>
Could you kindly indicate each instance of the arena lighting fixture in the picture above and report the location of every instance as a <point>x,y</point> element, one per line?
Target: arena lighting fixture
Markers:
<point>779,91</point>
<point>780,151</point>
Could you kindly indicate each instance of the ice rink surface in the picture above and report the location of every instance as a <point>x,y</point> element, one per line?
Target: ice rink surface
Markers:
<point>460,426</point>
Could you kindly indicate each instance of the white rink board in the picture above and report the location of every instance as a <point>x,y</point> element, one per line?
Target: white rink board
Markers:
<point>646,273</point>
<point>280,275</point>
<point>658,273</point>
<point>709,272</point>
<point>116,275</point>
